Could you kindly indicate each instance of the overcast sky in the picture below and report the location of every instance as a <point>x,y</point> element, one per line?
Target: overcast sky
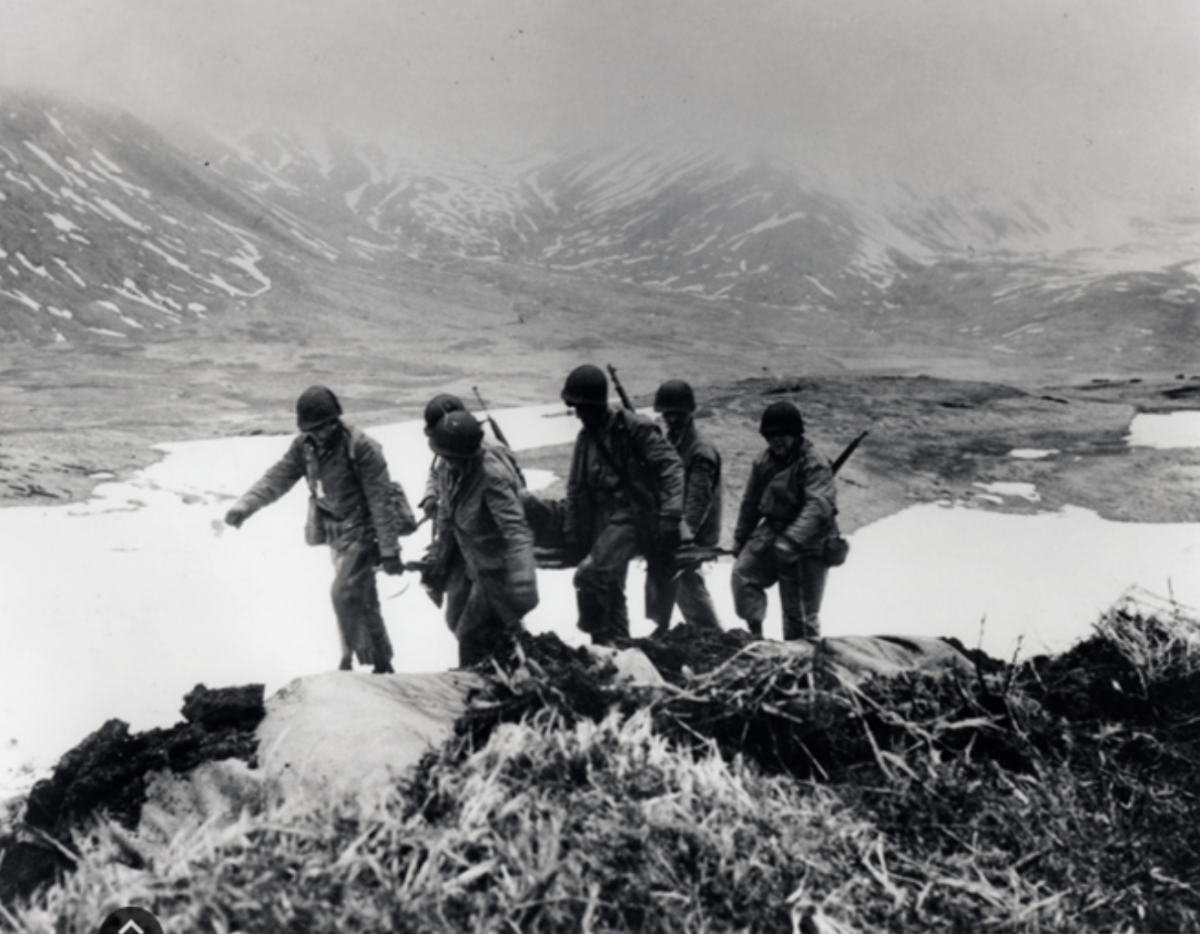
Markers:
<point>996,90</point>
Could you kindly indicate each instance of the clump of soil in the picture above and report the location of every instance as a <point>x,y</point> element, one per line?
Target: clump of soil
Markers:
<point>686,650</point>
<point>542,672</point>
<point>107,774</point>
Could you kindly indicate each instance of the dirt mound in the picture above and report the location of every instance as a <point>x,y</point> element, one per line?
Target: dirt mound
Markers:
<point>688,650</point>
<point>107,773</point>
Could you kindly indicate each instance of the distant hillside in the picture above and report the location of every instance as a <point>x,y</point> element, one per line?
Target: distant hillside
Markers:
<point>717,224</point>
<point>107,229</point>
<point>111,228</point>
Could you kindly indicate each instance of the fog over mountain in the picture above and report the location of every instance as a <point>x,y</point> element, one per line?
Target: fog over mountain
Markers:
<point>1091,95</point>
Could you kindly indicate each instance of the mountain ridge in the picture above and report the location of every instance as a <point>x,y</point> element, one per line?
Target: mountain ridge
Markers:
<point>112,229</point>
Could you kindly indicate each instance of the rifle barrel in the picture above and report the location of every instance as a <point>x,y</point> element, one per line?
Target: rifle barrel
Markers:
<point>487,416</point>
<point>625,400</point>
<point>845,455</point>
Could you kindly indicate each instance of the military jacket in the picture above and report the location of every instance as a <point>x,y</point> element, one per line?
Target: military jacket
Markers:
<point>351,482</point>
<point>796,499</point>
<point>627,456</point>
<point>482,517</point>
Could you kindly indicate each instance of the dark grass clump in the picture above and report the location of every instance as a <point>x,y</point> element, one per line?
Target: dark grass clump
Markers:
<point>805,716</point>
<point>1142,665</point>
<point>541,672</point>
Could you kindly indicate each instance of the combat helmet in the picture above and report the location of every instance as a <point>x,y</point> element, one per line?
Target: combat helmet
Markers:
<point>457,435</point>
<point>781,418</point>
<point>438,406</point>
<point>316,406</point>
<point>674,396</point>
<point>586,385</point>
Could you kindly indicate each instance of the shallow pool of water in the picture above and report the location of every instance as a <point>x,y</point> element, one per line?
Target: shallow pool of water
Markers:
<point>1168,430</point>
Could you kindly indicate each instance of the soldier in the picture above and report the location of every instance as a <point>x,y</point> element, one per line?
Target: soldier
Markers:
<point>676,402</point>
<point>354,508</point>
<point>624,498</point>
<point>544,515</point>
<point>787,513</point>
<point>484,537</point>
<point>443,575</point>
<point>437,407</point>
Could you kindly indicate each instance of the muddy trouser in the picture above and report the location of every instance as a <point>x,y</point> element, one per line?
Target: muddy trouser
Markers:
<point>801,587</point>
<point>694,601</point>
<point>479,629</point>
<point>356,603</point>
<point>600,577</point>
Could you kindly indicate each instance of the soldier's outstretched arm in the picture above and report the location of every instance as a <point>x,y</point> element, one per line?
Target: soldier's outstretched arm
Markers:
<point>279,478</point>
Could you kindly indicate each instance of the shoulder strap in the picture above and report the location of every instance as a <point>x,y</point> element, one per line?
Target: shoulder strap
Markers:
<point>351,439</point>
<point>310,466</point>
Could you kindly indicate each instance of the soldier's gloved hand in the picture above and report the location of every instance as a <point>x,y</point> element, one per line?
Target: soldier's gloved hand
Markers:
<point>429,507</point>
<point>786,550</point>
<point>686,535</point>
<point>434,571</point>
<point>237,515</point>
<point>391,564</point>
<point>668,534</point>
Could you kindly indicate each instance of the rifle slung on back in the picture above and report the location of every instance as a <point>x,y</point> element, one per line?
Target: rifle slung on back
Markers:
<point>625,400</point>
<point>487,417</point>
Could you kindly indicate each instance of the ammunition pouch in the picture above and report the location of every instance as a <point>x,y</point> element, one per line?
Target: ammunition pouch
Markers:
<point>401,511</point>
<point>836,551</point>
